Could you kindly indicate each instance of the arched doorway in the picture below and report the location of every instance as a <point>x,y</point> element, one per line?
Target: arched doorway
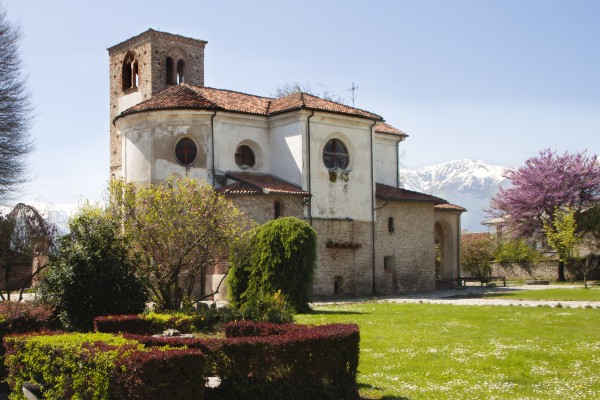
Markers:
<point>445,251</point>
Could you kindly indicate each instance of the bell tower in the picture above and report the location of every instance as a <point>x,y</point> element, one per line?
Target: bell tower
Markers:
<point>143,66</point>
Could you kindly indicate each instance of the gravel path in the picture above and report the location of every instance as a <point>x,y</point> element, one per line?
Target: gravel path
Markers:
<point>470,296</point>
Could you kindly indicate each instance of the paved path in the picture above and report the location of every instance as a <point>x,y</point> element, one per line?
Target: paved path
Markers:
<point>471,296</point>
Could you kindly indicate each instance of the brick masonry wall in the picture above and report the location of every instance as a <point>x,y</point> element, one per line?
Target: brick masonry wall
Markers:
<point>546,270</point>
<point>150,49</point>
<point>411,245</point>
<point>347,269</point>
<point>261,208</point>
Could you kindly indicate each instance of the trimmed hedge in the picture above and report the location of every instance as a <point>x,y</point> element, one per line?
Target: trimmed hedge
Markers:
<point>149,324</point>
<point>273,361</point>
<point>21,317</point>
<point>102,366</point>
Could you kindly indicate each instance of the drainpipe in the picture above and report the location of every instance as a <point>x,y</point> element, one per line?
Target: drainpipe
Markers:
<point>308,186</point>
<point>373,206</point>
<point>458,248</point>
<point>212,145</point>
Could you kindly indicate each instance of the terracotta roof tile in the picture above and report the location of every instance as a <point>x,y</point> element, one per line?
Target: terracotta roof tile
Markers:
<point>187,96</point>
<point>450,207</point>
<point>254,183</point>
<point>389,130</point>
<point>296,101</point>
<point>387,192</point>
<point>239,188</point>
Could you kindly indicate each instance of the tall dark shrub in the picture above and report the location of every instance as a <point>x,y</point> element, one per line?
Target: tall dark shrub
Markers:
<point>93,273</point>
<point>283,258</point>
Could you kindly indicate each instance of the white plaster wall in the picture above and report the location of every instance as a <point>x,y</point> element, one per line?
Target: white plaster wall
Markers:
<point>233,130</point>
<point>149,141</point>
<point>137,147</point>
<point>129,100</point>
<point>286,134</point>
<point>386,159</point>
<point>341,194</point>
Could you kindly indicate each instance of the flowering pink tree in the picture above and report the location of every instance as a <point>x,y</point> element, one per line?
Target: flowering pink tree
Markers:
<point>547,183</point>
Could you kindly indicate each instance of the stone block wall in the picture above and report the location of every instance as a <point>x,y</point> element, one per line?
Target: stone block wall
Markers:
<point>261,208</point>
<point>409,247</point>
<point>344,258</point>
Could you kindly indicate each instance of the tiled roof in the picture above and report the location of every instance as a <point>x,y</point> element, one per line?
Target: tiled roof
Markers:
<point>449,207</point>
<point>296,101</point>
<point>389,130</point>
<point>387,192</point>
<point>254,183</point>
<point>203,98</point>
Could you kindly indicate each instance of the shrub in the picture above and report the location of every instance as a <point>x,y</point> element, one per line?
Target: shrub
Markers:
<point>93,273</point>
<point>282,258</point>
<point>102,366</point>
<point>476,254</point>
<point>267,308</point>
<point>18,317</point>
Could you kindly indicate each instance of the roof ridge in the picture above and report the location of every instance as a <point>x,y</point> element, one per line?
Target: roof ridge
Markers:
<point>226,90</point>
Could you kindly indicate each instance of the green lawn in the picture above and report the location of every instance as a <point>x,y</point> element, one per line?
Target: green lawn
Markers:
<point>428,351</point>
<point>562,294</point>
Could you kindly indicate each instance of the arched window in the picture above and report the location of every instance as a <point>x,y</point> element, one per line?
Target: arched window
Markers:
<point>135,78</point>
<point>244,156</point>
<point>169,71</point>
<point>180,72</point>
<point>129,75</point>
<point>335,154</point>
<point>186,151</point>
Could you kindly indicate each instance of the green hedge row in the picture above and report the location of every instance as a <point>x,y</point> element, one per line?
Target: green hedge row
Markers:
<point>102,366</point>
<point>272,361</point>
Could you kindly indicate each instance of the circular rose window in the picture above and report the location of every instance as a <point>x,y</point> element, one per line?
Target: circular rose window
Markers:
<point>244,156</point>
<point>186,151</point>
<point>335,154</point>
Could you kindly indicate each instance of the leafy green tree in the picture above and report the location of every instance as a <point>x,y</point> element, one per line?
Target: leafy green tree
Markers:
<point>561,232</point>
<point>516,251</point>
<point>93,272</point>
<point>283,257</point>
<point>476,255</point>
<point>181,228</point>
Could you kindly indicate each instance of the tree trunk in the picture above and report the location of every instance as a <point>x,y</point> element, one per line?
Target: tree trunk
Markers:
<point>561,271</point>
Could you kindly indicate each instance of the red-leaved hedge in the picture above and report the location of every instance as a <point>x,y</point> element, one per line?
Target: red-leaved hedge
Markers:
<point>271,361</point>
<point>139,324</point>
<point>135,324</point>
<point>158,375</point>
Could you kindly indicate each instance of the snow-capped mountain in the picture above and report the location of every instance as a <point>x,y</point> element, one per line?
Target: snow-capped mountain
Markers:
<point>467,183</point>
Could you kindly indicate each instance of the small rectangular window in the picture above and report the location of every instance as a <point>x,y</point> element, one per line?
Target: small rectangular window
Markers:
<point>388,263</point>
<point>278,209</point>
<point>391,225</point>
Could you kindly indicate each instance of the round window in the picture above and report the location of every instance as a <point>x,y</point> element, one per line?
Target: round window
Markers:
<point>244,156</point>
<point>186,151</point>
<point>335,154</point>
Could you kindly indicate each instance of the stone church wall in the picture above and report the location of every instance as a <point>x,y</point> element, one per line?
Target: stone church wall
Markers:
<point>261,208</point>
<point>344,258</point>
<point>410,265</point>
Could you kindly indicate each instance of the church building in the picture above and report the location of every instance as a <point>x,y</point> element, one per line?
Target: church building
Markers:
<point>330,164</point>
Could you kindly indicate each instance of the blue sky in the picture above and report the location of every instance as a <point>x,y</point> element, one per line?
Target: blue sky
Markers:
<point>491,80</point>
